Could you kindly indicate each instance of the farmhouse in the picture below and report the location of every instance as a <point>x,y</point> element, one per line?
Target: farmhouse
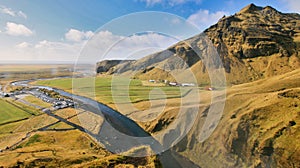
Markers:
<point>187,84</point>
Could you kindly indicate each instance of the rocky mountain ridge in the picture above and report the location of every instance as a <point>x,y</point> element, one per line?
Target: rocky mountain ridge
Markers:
<point>254,43</point>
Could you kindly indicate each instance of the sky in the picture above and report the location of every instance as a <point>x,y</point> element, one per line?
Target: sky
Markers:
<point>59,31</point>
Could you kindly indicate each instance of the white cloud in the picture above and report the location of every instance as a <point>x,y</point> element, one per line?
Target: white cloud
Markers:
<point>23,45</point>
<point>110,46</point>
<point>7,11</point>
<point>11,12</point>
<point>152,2</point>
<point>178,2</point>
<point>169,2</point>
<point>43,51</point>
<point>22,14</point>
<point>293,5</point>
<point>203,18</point>
<point>78,36</point>
<point>17,29</point>
<point>103,42</point>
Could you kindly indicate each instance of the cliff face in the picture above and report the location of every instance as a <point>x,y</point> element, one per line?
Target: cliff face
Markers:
<point>107,65</point>
<point>255,43</point>
<point>255,32</point>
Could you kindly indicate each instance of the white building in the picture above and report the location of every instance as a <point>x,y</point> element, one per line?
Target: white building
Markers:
<point>187,84</point>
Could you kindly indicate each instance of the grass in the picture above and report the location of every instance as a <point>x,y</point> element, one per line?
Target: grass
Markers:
<point>68,149</point>
<point>11,127</point>
<point>29,109</point>
<point>10,112</point>
<point>263,111</point>
<point>35,138</point>
<point>36,101</point>
<point>256,103</point>
<point>34,123</point>
<point>64,84</point>
<point>60,125</point>
<point>49,148</point>
<point>63,148</point>
<point>67,112</point>
<point>118,89</point>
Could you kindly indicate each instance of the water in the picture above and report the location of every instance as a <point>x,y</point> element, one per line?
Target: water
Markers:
<point>119,133</point>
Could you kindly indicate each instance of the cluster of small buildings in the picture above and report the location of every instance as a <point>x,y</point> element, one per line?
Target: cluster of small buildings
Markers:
<point>181,84</point>
<point>61,103</point>
<point>209,88</point>
<point>173,83</point>
<point>57,103</point>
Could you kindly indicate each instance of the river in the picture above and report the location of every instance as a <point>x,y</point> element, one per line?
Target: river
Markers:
<point>119,133</point>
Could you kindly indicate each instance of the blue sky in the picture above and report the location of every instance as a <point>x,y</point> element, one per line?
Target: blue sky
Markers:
<point>56,30</point>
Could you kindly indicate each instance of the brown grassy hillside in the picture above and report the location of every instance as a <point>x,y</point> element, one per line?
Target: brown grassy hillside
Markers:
<point>255,43</point>
<point>59,145</point>
<point>259,126</point>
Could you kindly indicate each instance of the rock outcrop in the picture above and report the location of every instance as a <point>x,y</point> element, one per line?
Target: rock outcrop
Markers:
<point>106,65</point>
<point>255,32</point>
<point>255,43</point>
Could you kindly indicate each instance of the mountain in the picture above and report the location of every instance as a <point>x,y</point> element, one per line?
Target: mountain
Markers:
<point>255,43</point>
<point>259,127</point>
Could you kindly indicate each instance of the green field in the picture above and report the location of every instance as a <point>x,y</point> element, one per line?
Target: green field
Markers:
<point>9,112</point>
<point>64,84</point>
<point>109,90</point>
<point>36,101</point>
<point>26,108</point>
<point>11,127</point>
